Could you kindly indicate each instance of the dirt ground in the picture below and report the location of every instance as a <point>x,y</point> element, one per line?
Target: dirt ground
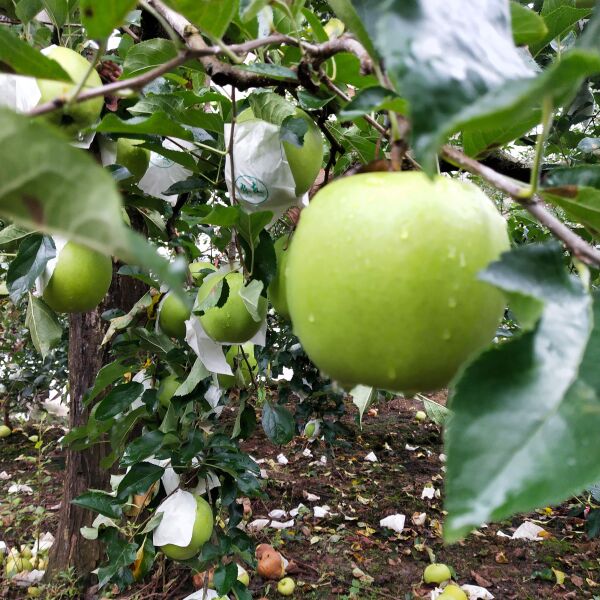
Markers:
<point>347,554</point>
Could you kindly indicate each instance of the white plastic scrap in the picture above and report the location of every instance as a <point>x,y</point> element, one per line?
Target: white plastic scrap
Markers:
<point>178,520</point>
<point>294,512</point>
<point>18,488</point>
<point>44,543</point>
<point>200,595</point>
<point>428,492</point>
<point>321,511</point>
<point>27,578</point>
<point>311,497</point>
<point>528,531</point>
<point>306,452</point>
<point>278,514</point>
<point>411,448</point>
<point>4,476</point>
<point>260,524</point>
<point>394,522</point>
<point>476,592</point>
<point>282,460</point>
<point>371,457</point>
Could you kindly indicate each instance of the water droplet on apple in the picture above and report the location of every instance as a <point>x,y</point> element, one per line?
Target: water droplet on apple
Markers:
<point>463,260</point>
<point>392,373</point>
<point>446,335</point>
<point>452,302</point>
<point>452,252</point>
<point>404,234</point>
<point>311,318</point>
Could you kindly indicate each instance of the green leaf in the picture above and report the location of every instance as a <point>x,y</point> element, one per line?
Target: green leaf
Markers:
<point>438,413</point>
<point>293,129</point>
<point>527,26</point>
<point>80,203</point>
<point>58,11</point>
<point>100,502</point>
<point>278,423</point>
<point>559,16</point>
<point>147,55</point>
<point>118,400</point>
<point>347,13</point>
<point>139,479</point>
<point>101,19</point>
<point>224,577</point>
<point>107,375</point>
<point>196,375</point>
<point>581,205</point>
<point>578,176</point>
<point>250,295</point>
<point>17,56</point>
<point>270,107</point>
<point>372,99</point>
<point>28,9</point>
<point>512,416</point>
<point>362,396</point>
<point>422,44</point>
<point>143,447</point>
<point>124,321</point>
<point>210,16</point>
<point>158,124</point>
<point>43,325</point>
<point>34,253</point>
<point>12,233</point>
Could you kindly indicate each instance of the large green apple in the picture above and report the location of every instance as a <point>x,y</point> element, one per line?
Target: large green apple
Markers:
<point>81,114</point>
<point>5,431</point>
<point>277,288</point>
<point>197,268</point>
<point>80,280</point>
<point>172,316</point>
<point>135,159</point>
<point>382,279</point>
<point>436,573</point>
<point>305,161</point>
<point>230,323</point>
<point>242,376</point>
<point>203,526</point>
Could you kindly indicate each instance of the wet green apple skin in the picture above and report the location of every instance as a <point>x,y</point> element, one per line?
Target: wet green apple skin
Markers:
<point>173,315</point>
<point>382,279</point>
<point>81,114</point>
<point>436,573</point>
<point>277,291</point>
<point>203,526</point>
<point>80,280</point>
<point>230,323</point>
<point>135,159</point>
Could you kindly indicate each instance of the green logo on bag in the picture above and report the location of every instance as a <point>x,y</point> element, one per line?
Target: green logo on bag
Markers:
<point>251,189</point>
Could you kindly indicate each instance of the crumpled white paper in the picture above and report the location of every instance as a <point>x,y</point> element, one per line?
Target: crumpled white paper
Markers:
<point>200,595</point>
<point>44,543</point>
<point>162,172</point>
<point>210,482</point>
<point>263,178</point>
<point>27,578</point>
<point>259,524</point>
<point>179,516</point>
<point>394,522</point>
<point>19,92</point>
<point>528,531</point>
<point>476,592</point>
<point>19,488</point>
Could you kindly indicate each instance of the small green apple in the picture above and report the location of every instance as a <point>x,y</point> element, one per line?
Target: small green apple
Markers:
<point>277,288</point>
<point>436,573</point>
<point>167,388</point>
<point>203,527</point>
<point>34,592</point>
<point>135,159</point>
<point>26,552</point>
<point>80,280</point>
<point>382,279</point>
<point>286,586</point>
<point>241,374</point>
<point>172,316</point>
<point>79,115</point>
<point>5,431</point>
<point>420,415</point>
<point>230,323</point>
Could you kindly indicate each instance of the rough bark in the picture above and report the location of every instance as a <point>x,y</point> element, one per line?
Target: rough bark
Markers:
<point>82,468</point>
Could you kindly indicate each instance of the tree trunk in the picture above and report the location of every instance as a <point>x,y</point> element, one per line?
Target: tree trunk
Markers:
<point>82,469</point>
